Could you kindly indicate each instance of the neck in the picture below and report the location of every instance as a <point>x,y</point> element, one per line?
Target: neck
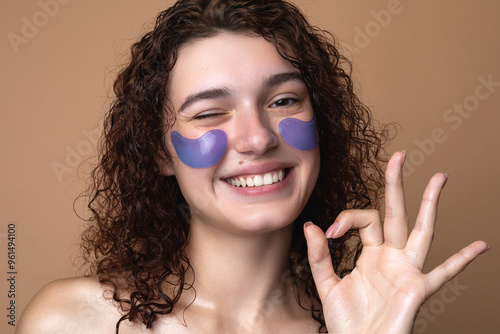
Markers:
<point>240,274</point>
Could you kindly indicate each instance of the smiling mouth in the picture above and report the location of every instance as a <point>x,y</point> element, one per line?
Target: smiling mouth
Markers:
<point>258,180</point>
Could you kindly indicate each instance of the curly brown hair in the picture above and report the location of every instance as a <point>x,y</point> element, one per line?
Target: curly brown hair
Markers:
<point>138,230</point>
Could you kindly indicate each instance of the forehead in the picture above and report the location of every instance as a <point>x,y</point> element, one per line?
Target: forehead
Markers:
<point>234,61</point>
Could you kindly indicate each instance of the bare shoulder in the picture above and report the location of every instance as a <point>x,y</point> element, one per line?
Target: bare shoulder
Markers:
<point>70,305</point>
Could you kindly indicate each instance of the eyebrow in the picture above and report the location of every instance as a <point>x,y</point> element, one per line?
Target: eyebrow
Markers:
<point>278,79</point>
<point>214,93</point>
<point>205,95</point>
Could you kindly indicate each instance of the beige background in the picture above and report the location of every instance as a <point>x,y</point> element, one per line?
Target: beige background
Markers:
<point>413,65</point>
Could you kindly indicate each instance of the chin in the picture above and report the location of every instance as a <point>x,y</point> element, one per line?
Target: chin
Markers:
<point>262,222</point>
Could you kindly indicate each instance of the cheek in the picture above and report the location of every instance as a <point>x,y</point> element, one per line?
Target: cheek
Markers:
<point>196,186</point>
<point>312,161</point>
<point>203,152</point>
<point>298,134</point>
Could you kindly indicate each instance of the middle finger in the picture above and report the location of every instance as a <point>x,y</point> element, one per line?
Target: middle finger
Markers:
<point>396,218</point>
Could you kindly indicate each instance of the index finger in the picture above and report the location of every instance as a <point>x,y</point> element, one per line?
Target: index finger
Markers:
<point>366,221</point>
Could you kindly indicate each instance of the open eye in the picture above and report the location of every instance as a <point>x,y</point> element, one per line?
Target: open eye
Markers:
<point>285,102</point>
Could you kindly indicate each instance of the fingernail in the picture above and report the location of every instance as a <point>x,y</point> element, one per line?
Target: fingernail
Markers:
<point>404,158</point>
<point>485,250</point>
<point>306,225</point>
<point>331,230</point>
<point>445,180</point>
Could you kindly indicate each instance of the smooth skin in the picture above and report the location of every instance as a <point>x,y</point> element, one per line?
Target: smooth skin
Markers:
<point>386,289</point>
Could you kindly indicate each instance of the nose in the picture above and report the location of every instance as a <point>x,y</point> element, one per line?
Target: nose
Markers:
<point>254,134</point>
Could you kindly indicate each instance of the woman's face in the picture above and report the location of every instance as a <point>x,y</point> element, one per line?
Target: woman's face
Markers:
<point>241,85</point>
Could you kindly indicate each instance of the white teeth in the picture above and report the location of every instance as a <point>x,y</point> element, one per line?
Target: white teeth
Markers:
<point>268,179</point>
<point>275,178</point>
<point>258,180</point>
<point>243,182</point>
<point>249,182</point>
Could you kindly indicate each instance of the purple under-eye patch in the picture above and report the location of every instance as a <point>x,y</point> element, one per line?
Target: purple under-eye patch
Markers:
<point>299,134</point>
<point>209,149</point>
<point>203,152</point>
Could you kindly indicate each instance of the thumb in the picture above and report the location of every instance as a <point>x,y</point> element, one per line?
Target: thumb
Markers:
<point>319,259</point>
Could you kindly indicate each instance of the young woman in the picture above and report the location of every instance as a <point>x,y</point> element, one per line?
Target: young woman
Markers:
<point>237,166</point>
